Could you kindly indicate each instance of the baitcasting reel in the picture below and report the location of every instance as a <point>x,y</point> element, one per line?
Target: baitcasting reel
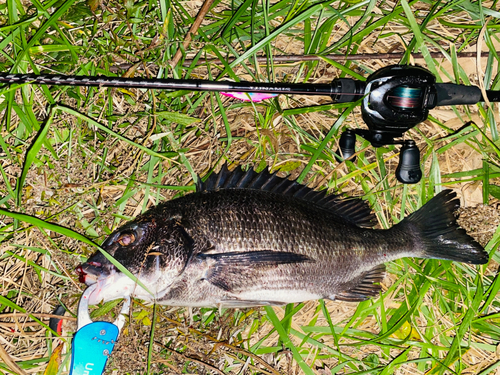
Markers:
<point>396,99</point>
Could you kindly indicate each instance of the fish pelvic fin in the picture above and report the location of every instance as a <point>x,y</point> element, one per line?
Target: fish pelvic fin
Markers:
<point>241,303</point>
<point>368,285</point>
<point>438,233</point>
<point>354,210</point>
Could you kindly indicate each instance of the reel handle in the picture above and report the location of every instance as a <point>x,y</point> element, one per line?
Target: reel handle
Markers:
<point>408,170</point>
<point>346,146</point>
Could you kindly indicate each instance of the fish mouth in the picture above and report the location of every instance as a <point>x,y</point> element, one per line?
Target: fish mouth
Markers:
<point>91,272</point>
<point>107,280</point>
<point>110,283</point>
<point>103,275</point>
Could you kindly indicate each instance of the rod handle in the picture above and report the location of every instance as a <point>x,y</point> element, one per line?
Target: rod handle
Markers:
<point>453,94</point>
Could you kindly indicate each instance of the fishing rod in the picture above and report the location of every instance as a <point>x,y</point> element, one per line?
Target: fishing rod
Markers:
<point>337,87</point>
<point>394,99</point>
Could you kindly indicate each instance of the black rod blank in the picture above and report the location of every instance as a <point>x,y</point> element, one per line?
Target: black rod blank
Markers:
<point>170,84</point>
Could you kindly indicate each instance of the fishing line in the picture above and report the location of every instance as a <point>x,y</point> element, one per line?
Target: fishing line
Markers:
<point>405,97</point>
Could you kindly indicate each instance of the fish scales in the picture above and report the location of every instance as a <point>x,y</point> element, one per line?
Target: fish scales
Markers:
<point>248,239</point>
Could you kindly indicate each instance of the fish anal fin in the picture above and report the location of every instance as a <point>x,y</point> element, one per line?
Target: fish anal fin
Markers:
<point>368,286</point>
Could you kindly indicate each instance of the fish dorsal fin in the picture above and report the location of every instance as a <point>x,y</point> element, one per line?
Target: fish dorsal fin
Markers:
<point>368,286</point>
<point>354,210</point>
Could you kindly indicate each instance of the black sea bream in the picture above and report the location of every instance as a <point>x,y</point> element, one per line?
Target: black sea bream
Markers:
<point>248,239</point>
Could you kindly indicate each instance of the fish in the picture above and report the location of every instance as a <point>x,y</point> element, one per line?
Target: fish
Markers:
<point>246,239</point>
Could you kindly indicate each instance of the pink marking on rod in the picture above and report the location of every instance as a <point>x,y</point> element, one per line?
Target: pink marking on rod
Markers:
<point>249,96</point>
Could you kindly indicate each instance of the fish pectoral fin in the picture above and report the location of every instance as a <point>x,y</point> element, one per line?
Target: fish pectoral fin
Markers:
<point>368,286</point>
<point>260,258</point>
<point>242,303</point>
<point>235,270</point>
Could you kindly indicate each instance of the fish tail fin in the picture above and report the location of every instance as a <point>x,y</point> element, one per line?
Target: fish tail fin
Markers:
<point>440,234</point>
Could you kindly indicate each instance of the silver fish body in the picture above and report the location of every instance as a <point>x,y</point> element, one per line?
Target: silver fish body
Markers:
<point>248,239</point>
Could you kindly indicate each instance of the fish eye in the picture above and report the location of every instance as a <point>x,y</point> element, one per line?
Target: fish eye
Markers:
<point>126,239</point>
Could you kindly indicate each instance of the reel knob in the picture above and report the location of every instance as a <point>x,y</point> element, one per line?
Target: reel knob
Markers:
<point>408,170</point>
<point>346,143</point>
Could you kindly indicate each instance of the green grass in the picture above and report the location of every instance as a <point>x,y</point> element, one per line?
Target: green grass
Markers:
<point>76,163</point>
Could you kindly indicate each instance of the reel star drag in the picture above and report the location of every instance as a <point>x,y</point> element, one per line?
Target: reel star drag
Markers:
<point>395,99</point>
